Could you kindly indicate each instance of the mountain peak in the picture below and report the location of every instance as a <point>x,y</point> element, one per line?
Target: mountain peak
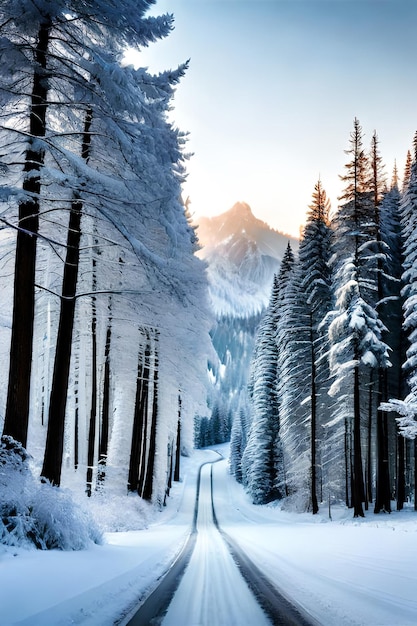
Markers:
<point>240,209</point>
<point>243,254</point>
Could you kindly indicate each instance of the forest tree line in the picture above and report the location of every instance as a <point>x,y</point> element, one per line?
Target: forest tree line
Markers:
<point>104,328</point>
<point>331,402</point>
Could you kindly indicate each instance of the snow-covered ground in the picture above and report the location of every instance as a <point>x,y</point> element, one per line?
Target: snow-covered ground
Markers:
<point>343,572</point>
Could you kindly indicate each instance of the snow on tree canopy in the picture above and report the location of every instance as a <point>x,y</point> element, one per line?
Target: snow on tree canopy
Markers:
<point>92,146</point>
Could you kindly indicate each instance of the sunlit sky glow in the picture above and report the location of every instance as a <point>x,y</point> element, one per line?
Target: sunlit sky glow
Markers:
<point>272,91</point>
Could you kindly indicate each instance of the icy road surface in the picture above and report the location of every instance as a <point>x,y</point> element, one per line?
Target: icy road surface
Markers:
<point>212,583</point>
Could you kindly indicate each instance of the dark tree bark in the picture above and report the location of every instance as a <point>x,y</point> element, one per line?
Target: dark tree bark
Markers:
<point>358,491</point>
<point>170,466</point>
<point>347,464</point>
<point>52,463</point>
<point>76,433</point>
<point>150,465</point>
<point>105,412</point>
<point>17,404</point>
<point>93,408</point>
<point>137,430</point>
<point>368,478</point>
<point>415,474</point>
<point>313,426</point>
<point>178,444</point>
<point>143,409</point>
<point>400,472</point>
<point>383,490</point>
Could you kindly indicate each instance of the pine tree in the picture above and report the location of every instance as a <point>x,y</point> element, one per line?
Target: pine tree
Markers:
<point>355,332</point>
<point>262,458</point>
<point>407,172</point>
<point>46,42</point>
<point>258,457</point>
<point>314,257</point>
<point>408,210</point>
<point>383,486</point>
<point>126,193</point>
<point>391,313</point>
<point>294,378</point>
<point>378,181</point>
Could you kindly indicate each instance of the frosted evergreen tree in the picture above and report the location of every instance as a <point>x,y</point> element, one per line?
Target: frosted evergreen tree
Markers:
<point>355,333</point>
<point>408,207</point>
<point>390,308</point>
<point>108,155</point>
<point>314,254</point>
<point>238,438</point>
<point>33,36</point>
<point>294,377</point>
<point>383,483</point>
<point>258,461</point>
<point>262,459</point>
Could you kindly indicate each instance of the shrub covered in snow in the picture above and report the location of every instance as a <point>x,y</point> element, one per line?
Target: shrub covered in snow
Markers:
<point>35,513</point>
<point>115,513</point>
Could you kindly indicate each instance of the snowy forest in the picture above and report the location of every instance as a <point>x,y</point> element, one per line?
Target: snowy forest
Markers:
<point>107,337</point>
<point>331,402</point>
<point>105,321</point>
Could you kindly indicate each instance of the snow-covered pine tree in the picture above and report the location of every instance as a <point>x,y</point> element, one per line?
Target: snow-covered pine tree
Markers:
<point>238,437</point>
<point>356,346</point>
<point>34,35</point>
<point>409,224</point>
<point>294,378</point>
<point>134,222</point>
<point>377,187</point>
<point>314,253</point>
<point>262,461</point>
<point>258,460</point>
<point>390,310</point>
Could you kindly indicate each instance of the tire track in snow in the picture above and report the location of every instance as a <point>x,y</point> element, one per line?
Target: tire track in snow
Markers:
<point>190,583</point>
<point>277,606</point>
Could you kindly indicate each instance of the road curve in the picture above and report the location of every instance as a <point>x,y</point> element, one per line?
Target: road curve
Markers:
<point>213,582</point>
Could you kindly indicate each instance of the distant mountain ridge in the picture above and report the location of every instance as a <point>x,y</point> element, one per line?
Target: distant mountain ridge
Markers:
<point>242,253</point>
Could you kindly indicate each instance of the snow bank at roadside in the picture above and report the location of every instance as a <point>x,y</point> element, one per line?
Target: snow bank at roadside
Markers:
<point>343,571</point>
<point>96,586</point>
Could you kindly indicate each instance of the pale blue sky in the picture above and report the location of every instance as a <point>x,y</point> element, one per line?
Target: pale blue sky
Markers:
<point>272,91</point>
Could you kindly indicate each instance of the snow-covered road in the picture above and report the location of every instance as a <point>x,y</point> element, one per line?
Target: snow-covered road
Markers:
<point>212,578</point>
<point>346,572</point>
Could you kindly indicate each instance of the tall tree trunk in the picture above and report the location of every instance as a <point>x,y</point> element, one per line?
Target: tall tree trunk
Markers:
<point>105,412</point>
<point>18,393</point>
<point>76,433</point>
<point>170,466</point>
<point>52,463</point>
<point>383,491</point>
<point>369,446</point>
<point>93,407</point>
<point>150,466</point>
<point>358,492</point>
<point>143,410</point>
<point>313,434</point>
<point>178,445</point>
<point>137,430</point>
<point>400,472</point>
<point>415,474</point>
<point>347,463</point>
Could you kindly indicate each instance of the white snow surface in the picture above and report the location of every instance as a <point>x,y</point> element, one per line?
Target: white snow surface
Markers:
<point>343,572</point>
